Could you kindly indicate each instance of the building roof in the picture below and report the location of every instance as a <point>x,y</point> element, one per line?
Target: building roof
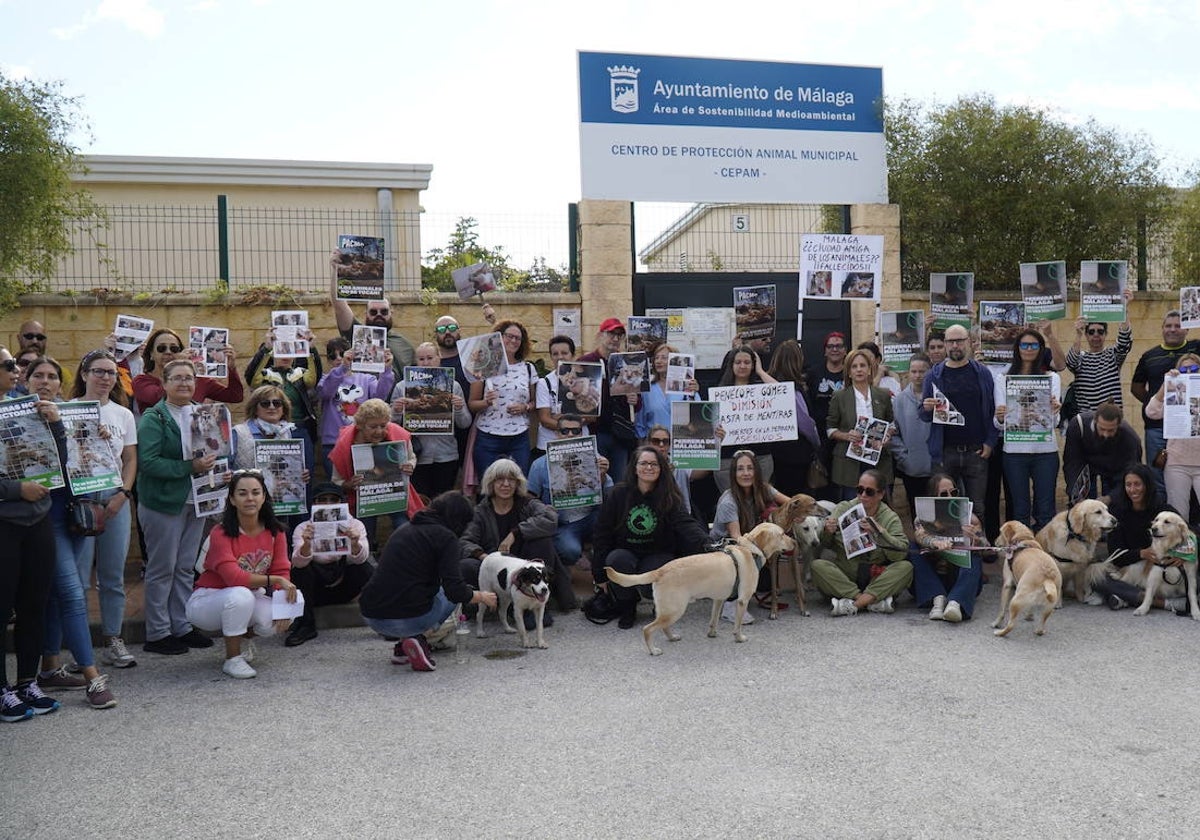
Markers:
<point>128,169</point>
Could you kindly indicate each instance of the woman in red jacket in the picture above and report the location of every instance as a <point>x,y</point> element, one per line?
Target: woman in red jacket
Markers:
<point>247,559</point>
<point>165,345</point>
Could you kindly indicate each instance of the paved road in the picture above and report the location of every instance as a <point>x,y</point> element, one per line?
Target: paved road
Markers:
<point>870,726</point>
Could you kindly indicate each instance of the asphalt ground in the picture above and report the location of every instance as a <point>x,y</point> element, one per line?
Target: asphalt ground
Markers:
<point>863,726</point>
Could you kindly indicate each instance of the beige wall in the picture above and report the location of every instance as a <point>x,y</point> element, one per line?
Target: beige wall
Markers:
<point>708,242</point>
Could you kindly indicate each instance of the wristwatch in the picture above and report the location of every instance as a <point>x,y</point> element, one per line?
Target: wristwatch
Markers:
<point>128,493</point>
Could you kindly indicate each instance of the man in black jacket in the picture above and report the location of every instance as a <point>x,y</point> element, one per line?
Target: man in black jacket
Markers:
<point>1102,443</point>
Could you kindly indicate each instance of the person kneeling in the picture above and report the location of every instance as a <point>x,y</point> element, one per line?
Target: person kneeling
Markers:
<point>851,582</point>
<point>241,571</point>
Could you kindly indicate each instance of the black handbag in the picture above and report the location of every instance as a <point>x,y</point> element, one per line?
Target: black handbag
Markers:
<point>86,518</point>
<point>601,608</point>
<point>624,431</point>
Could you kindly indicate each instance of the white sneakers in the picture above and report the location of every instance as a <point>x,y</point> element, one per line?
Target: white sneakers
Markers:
<point>843,606</point>
<point>238,668</point>
<point>884,606</point>
<point>729,613</point>
<point>939,608</point>
<point>953,613</point>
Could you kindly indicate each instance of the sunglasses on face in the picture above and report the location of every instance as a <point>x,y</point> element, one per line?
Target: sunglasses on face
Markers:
<point>1030,345</point>
<point>570,430</point>
<point>945,494</point>
<point>445,328</point>
<point>379,311</point>
<point>1189,368</point>
<point>1097,331</point>
<point>9,365</point>
<point>660,441</point>
<point>869,492</point>
<point>168,348</point>
<point>237,473</point>
<point>271,403</point>
<point>33,336</point>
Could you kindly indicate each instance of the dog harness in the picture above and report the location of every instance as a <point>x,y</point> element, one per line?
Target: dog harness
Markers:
<point>760,560</point>
<point>1072,534</point>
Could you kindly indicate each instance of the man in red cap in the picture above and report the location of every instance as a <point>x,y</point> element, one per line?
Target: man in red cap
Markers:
<point>608,341</point>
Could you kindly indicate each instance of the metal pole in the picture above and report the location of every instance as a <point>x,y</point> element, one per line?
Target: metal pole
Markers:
<point>223,240</point>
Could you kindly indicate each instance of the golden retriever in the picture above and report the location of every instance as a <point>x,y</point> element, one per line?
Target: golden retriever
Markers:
<point>1170,539</point>
<point>1031,576</point>
<point>1071,538</point>
<point>714,574</point>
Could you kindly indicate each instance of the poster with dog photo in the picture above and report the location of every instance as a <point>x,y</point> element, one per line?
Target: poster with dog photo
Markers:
<point>574,473</point>
<point>482,356</point>
<point>1044,290</point>
<point>27,448</point>
<point>92,462</point>
<point>1181,406</point>
<point>474,279</point>
<point>857,539</point>
<point>359,265</point>
<point>1102,290</point>
<point>846,265</point>
<point>628,373</point>
<point>206,348</point>
<point>1029,415</point>
<point>579,388</point>
<point>945,518</point>
<point>900,335</point>
<point>1189,307</point>
<point>694,442</point>
<point>209,489</point>
<point>206,430</point>
<point>281,461</point>
<point>755,316</point>
<point>131,333</point>
<point>369,346</point>
<point>952,299</point>
<point>330,531</point>
<point>384,487</point>
<point>681,370</point>
<point>290,335</point>
<point>944,411</point>
<point>1000,322</point>
<point>874,434</point>
<point>643,332</point>
<point>428,400</point>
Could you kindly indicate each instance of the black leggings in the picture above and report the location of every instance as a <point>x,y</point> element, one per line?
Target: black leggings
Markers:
<point>26,575</point>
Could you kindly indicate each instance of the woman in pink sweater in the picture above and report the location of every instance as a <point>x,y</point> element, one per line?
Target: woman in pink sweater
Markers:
<point>246,560</point>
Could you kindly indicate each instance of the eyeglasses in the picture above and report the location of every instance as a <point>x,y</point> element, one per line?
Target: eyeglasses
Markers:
<point>514,337</point>
<point>1097,331</point>
<point>1189,368</point>
<point>649,465</point>
<point>1030,345</point>
<point>270,403</point>
<point>445,328</point>
<point>168,348</point>
<point>9,365</point>
<point>869,492</point>
<point>102,371</point>
<point>570,430</point>
<point>379,311</point>
<point>835,346</point>
<point>181,379</point>
<point>954,340</point>
<point>946,494</point>
<point>504,479</point>
<point>33,336</point>
<point>660,441</point>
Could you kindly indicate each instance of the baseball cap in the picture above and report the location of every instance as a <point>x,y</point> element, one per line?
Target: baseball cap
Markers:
<point>328,488</point>
<point>612,325</point>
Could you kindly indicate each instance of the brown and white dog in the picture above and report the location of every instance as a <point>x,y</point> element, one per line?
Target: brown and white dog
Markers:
<point>1170,539</point>
<point>719,575</point>
<point>1071,538</point>
<point>523,583</point>
<point>1031,577</point>
<point>792,517</point>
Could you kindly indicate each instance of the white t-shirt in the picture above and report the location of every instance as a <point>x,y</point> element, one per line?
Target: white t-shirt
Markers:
<point>512,387</point>
<point>547,397</point>
<point>122,427</point>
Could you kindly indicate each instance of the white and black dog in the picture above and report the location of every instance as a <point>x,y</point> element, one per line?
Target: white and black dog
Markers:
<point>523,583</point>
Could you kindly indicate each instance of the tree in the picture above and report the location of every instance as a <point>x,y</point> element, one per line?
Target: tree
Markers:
<point>983,187</point>
<point>462,250</point>
<point>39,206</point>
<point>1185,244</point>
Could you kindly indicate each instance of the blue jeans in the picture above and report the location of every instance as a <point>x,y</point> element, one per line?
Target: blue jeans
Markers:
<point>109,552</point>
<point>570,537</point>
<point>1039,468</point>
<point>1155,444</point>
<point>955,583</point>
<point>66,610</point>
<point>490,448</point>
<point>616,453</point>
<point>405,627</point>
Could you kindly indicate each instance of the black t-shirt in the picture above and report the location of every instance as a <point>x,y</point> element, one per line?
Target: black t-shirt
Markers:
<point>961,386</point>
<point>1152,369</point>
<point>823,384</point>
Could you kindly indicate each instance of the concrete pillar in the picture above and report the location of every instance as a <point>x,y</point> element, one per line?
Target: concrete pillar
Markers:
<point>878,220</point>
<point>606,264</point>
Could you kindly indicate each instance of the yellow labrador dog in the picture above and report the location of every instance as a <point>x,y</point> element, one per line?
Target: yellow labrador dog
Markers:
<point>1170,539</point>
<point>1030,577</point>
<point>719,575</point>
<point>1071,538</point>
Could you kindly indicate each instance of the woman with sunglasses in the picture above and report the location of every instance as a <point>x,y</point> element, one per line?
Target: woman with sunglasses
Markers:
<point>1030,462</point>
<point>747,502</point>
<point>1181,473</point>
<point>437,454</point>
<point>27,572</point>
<point>66,610</point>
<point>164,346</point>
<point>940,582</point>
<point>24,359</point>
<point>503,404</point>
<point>267,411</point>
<point>247,561</point>
<point>642,525</point>
<point>167,514</point>
<point>859,398</point>
<point>98,378</point>
<point>872,579</point>
<point>742,366</point>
